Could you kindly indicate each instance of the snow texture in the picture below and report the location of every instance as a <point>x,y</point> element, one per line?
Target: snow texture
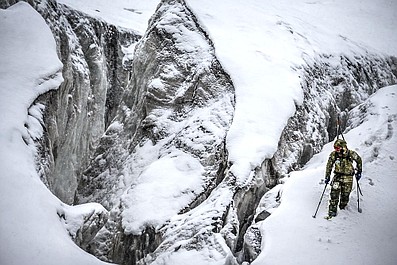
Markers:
<point>292,236</point>
<point>259,43</point>
<point>31,231</point>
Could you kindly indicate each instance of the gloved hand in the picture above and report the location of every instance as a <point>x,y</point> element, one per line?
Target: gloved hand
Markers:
<point>358,176</point>
<point>327,180</point>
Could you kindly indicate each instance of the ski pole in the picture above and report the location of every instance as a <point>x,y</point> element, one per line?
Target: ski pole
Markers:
<point>318,206</point>
<point>358,197</point>
<point>358,185</point>
<point>359,189</point>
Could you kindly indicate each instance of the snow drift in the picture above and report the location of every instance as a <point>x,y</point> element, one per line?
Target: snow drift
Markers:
<point>31,231</point>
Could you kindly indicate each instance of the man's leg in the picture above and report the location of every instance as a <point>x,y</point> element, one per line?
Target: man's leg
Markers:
<point>333,202</point>
<point>346,188</point>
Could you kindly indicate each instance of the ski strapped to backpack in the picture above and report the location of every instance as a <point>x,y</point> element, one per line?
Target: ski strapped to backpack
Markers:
<point>338,130</point>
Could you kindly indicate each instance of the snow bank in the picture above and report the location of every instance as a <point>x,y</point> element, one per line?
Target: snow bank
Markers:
<point>30,229</point>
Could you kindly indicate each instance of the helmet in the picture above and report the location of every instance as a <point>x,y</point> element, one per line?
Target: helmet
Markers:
<point>340,143</point>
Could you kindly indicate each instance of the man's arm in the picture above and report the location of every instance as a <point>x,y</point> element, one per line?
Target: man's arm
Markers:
<point>330,164</point>
<point>358,160</point>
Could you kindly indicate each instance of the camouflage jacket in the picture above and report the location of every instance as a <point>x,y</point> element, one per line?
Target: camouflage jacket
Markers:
<point>343,163</point>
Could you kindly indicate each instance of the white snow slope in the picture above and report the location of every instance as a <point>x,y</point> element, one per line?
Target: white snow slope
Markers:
<point>293,236</point>
<point>30,230</point>
<point>259,43</point>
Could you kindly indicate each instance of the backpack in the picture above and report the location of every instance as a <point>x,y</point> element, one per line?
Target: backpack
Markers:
<point>344,164</point>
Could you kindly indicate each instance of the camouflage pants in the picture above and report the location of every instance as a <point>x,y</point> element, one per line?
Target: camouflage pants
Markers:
<point>341,186</point>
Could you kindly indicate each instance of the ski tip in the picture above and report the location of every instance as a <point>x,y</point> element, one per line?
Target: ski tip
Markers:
<point>360,210</point>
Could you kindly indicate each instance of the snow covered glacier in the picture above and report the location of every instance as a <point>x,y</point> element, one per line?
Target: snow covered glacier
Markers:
<point>168,138</point>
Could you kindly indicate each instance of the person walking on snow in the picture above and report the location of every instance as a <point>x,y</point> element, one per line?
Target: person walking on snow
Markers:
<point>342,183</point>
